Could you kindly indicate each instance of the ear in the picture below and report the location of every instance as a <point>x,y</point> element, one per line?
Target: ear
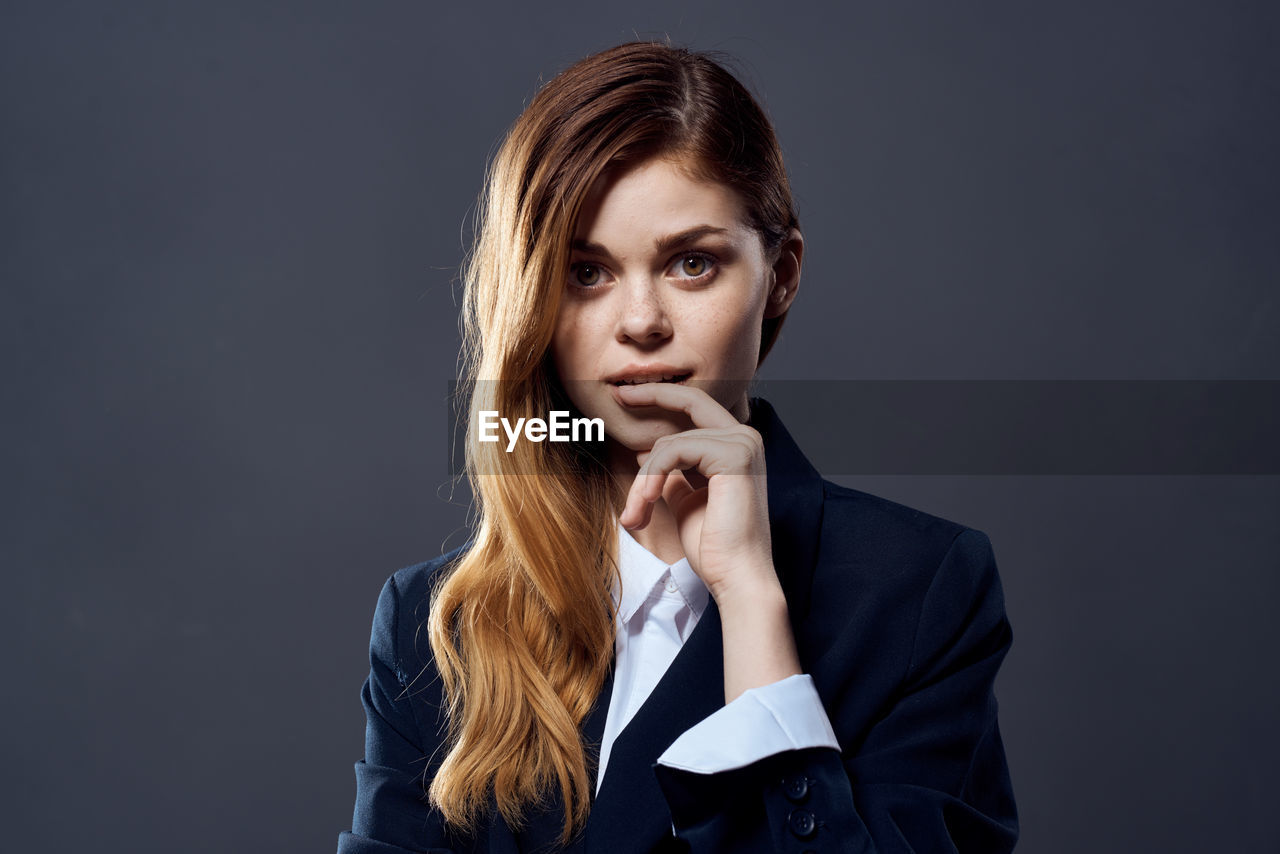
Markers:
<point>786,275</point>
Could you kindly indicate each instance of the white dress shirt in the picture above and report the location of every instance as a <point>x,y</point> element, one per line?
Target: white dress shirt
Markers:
<point>658,607</point>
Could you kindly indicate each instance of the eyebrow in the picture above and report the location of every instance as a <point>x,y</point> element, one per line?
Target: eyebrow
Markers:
<point>661,245</point>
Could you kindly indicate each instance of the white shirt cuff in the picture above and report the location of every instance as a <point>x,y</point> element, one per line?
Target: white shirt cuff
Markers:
<point>784,715</point>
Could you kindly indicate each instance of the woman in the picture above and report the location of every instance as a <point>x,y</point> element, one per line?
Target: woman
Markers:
<point>752,658</point>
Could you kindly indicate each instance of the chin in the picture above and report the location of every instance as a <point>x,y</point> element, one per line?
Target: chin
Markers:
<point>639,434</point>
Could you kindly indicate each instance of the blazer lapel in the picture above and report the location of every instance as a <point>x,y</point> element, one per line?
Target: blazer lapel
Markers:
<point>631,816</point>
<point>795,508</point>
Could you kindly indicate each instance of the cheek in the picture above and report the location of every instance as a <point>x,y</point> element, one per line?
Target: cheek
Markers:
<point>562,338</point>
<point>573,347</point>
<point>739,335</point>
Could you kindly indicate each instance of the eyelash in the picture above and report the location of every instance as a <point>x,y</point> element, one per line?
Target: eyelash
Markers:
<point>712,262</point>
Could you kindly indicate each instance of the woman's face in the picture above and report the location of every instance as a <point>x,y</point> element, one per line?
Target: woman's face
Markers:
<point>666,282</point>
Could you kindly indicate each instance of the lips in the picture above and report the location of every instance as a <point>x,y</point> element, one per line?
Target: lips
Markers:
<point>661,378</point>
<point>650,373</point>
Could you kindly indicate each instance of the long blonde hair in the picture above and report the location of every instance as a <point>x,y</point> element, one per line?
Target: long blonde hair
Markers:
<point>522,625</point>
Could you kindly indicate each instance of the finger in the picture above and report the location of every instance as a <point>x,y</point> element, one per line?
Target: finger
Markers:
<point>695,478</point>
<point>678,487</point>
<point>638,508</point>
<point>703,409</point>
<point>674,488</point>
<point>690,458</point>
<point>651,478</point>
<point>632,513</point>
<point>699,457</point>
<point>636,517</point>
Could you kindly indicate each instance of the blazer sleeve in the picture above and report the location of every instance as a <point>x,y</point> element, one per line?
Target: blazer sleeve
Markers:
<point>928,776</point>
<point>391,815</point>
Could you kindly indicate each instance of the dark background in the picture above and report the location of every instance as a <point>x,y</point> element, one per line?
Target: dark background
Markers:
<point>231,234</point>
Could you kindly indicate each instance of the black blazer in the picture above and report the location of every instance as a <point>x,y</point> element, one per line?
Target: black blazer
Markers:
<point>898,617</point>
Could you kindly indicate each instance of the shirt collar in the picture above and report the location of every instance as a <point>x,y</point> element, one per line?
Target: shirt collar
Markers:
<point>641,570</point>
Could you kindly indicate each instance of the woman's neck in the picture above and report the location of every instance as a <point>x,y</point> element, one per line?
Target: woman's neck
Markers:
<point>661,537</point>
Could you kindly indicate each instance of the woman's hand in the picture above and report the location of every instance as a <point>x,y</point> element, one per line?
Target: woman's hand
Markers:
<point>712,478</point>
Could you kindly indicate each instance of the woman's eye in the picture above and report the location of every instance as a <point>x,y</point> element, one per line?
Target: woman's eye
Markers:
<point>695,266</point>
<point>584,275</point>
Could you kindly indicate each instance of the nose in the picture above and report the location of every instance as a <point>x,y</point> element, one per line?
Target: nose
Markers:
<point>642,317</point>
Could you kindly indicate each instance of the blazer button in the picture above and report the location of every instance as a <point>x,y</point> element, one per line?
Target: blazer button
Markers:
<point>795,788</point>
<point>801,823</point>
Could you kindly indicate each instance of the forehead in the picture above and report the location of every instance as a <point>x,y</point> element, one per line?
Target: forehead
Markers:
<point>656,196</point>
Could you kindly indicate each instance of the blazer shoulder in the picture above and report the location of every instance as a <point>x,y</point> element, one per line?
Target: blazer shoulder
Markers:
<point>889,524</point>
<point>872,549</point>
<point>897,580</point>
<point>398,637</point>
<point>410,586</point>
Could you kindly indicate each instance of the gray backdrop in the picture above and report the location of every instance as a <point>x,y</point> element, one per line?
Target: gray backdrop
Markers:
<point>231,234</point>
